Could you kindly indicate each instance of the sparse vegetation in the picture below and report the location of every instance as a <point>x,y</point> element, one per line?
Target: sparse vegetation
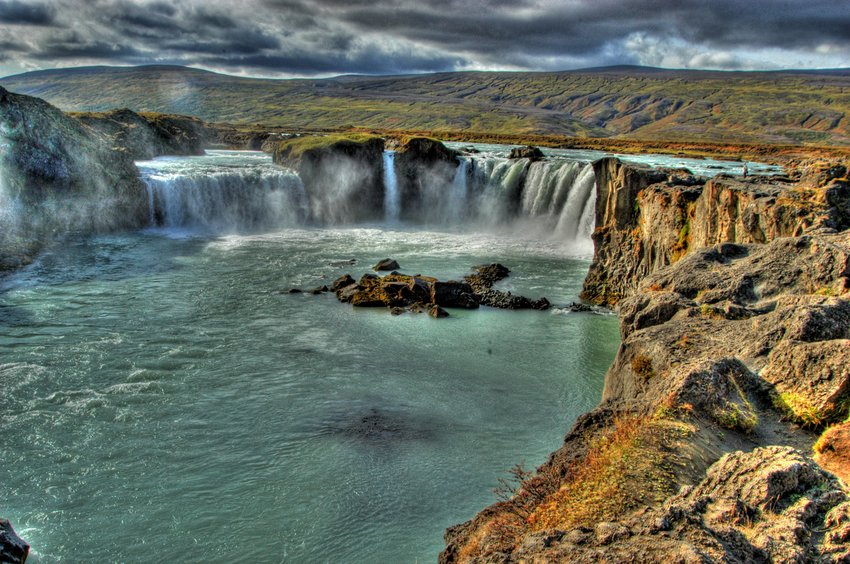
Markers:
<point>297,146</point>
<point>692,109</point>
<point>799,410</point>
<point>680,248</point>
<point>642,366</point>
<point>628,466</point>
<point>735,413</point>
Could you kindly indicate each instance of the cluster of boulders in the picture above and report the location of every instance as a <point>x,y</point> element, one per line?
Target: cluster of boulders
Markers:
<point>418,293</point>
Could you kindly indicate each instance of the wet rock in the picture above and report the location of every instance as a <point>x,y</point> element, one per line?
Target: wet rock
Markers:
<point>386,264</point>
<point>342,263</point>
<point>294,291</point>
<point>453,294</point>
<point>13,549</point>
<point>437,312</point>
<point>506,300</point>
<point>319,290</point>
<point>484,276</point>
<point>334,165</point>
<point>346,293</point>
<point>529,152</point>
<point>424,167</point>
<point>342,282</point>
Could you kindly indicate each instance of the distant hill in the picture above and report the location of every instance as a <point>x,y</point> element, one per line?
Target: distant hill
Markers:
<point>787,107</point>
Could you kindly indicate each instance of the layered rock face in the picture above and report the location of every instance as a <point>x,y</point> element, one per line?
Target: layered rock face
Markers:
<point>59,176</point>
<point>733,368</point>
<point>647,219</point>
<point>343,178</point>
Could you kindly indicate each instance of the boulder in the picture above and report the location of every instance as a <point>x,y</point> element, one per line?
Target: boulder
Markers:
<point>13,549</point>
<point>342,282</point>
<point>437,312</point>
<point>386,264</point>
<point>453,294</point>
<point>529,152</point>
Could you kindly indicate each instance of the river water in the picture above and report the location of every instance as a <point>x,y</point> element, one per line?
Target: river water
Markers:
<point>163,400</point>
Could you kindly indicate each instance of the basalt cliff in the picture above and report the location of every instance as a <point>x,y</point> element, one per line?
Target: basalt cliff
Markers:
<point>722,433</point>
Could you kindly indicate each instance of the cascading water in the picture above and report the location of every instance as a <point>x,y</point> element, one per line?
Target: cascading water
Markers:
<point>458,195</point>
<point>230,191</point>
<point>392,198</point>
<point>223,193</point>
<point>549,199</point>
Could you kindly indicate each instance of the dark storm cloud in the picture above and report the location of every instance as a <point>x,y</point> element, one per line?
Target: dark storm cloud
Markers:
<point>15,12</point>
<point>519,29</point>
<point>308,37</point>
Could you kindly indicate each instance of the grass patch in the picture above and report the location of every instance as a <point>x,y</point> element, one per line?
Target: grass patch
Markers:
<point>295,147</point>
<point>796,408</point>
<point>827,291</point>
<point>627,467</point>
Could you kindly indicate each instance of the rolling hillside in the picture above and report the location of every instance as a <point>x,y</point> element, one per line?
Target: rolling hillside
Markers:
<point>791,107</point>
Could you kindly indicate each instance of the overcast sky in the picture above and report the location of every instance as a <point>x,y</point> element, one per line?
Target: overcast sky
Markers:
<point>329,37</point>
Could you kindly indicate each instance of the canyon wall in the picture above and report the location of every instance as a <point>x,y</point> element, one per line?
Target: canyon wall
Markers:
<point>647,219</point>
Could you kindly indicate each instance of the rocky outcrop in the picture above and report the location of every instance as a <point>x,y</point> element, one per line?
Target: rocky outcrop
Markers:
<point>148,135</point>
<point>57,176</point>
<point>424,167</point>
<point>771,505</point>
<point>482,282</point>
<point>529,152</point>
<point>647,219</point>
<point>400,292</point>
<point>386,264</point>
<point>343,177</point>
<point>13,549</point>
<point>732,348</point>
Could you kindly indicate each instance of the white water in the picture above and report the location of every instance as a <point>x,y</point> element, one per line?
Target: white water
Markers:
<point>392,198</point>
<point>224,192</point>
<point>239,191</point>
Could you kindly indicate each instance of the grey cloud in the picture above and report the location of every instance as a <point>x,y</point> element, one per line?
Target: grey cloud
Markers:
<point>310,37</point>
<point>16,12</point>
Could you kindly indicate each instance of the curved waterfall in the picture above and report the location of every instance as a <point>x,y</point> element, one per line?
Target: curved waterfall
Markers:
<point>228,191</point>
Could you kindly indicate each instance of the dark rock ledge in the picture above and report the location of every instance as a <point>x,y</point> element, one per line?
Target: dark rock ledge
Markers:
<point>418,293</point>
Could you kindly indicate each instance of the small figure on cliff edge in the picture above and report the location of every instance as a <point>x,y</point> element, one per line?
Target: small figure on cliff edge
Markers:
<point>745,170</point>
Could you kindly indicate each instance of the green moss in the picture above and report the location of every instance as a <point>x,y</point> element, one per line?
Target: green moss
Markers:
<point>680,248</point>
<point>295,147</point>
<point>799,410</point>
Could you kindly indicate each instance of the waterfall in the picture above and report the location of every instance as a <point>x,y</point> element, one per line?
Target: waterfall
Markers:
<point>392,198</point>
<point>223,201</point>
<point>229,192</point>
<point>459,192</point>
<point>553,198</point>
